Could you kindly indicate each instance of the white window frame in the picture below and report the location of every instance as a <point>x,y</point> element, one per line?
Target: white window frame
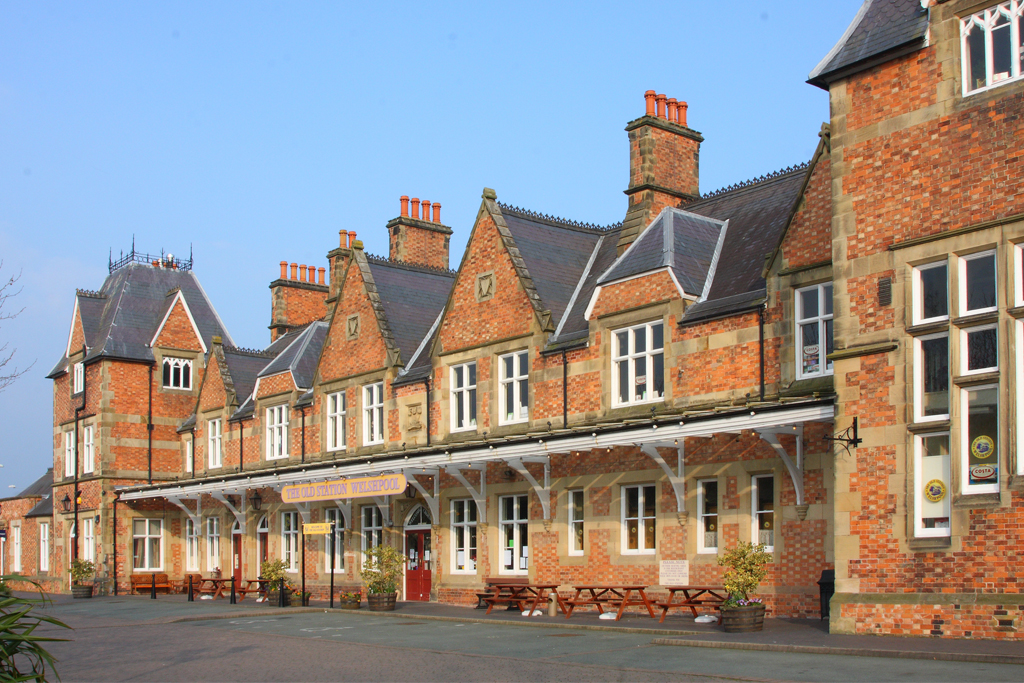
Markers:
<point>188,455</point>
<point>824,364</point>
<point>919,415</point>
<point>985,20</point>
<point>178,364</point>
<point>191,546</point>
<point>69,454</point>
<point>702,546</point>
<point>148,565</point>
<point>79,378</point>
<point>88,450</point>
<point>336,416</point>
<point>918,293</point>
<point>277,432</point>
<point>290,533</point>
<point>461,534</point>
<point>89,539</point>
<point>962,270</point>
<point>214,443</point>
<point>373,414</point>
<point>517,380</point>
<point>44,546</point>
<point>631,355</point>
<point>755,525</point>
<point>964,331</point>
<point>640,519</point>
<point>1018,271</point>
<point>371,527</point>
<point>518,524</point>
<point>464,397</point>
<point>576,525</point>
<point>1019,386</point>
<point>212,543</point>
<point>965,446</point>
<point>337,544</point>
<point>16,532</point>
<point>919,483</point>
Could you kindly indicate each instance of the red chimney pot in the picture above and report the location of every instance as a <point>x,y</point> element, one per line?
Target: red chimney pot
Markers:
<point>682,113</point>
<point>649,100</point>
<point>284,270</point>
<point>320,272</point>
<point>437,212</point>
<point>302,273</point>
<point>405,204</point>
<point>661,106</point>
<point>426,210</point>
<point>415,207</point>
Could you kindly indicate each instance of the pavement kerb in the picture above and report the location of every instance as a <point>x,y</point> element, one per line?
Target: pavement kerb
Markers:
<point>847,651</point>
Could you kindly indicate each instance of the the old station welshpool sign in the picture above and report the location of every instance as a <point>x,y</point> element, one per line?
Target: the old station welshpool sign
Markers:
<point>385,485</point>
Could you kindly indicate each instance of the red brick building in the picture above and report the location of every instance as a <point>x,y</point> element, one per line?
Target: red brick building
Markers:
<point>577,403</point>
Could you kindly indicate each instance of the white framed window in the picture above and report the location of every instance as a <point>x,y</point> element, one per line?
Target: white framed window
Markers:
<point>577,533</point>
<point>464,536</point>
<point>514,396</point>
<point>79,378</point>
<point>277,432</point>
<point>188,455</point>
<point>707,509</point>
<point>991,46</point>
<point>979,430</point>
<point>147,544</point>
<point>979,349</point>
<point>290,540</point>
<point>44,546</point>
<point>16,532</point>
<point>336,421</point>
<point>212,543</point>
<point>639,519</point>
<point>214,443</point>
<point>931,377</point>
<point>930,288</point>
<point>88,450</point>
<point>89,539</point>
<point>373,414</point>
<point>638,364</point>
<point>335,543</point>
<point>69,454</point>
<point>762,505</point>
<point>1019,372</point>
<point>1018,270</point>
<point>814,330</point>
<point>514,533</point>
<point>191,546</point>
<point>978,283</point>
<point>463,397</point>
<point>372,527</point>
<point>177,373</point>
<point>932,487</point>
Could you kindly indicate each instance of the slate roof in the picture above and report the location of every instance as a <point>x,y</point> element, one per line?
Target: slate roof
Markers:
<point>300,357</point>
<point>574,326</point>
<point>244,367</point>
<point>44,508</point>
<point>879,27</point>
<point>40,487</point>
<point>135,299</point>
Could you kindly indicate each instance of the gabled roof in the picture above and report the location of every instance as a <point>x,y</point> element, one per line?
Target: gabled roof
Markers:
<point>300,357</point>
<point>135,300</point>
<point>44,508</point>
<point>881,28</point>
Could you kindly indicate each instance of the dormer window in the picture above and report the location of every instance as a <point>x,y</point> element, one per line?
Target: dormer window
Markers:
<point>991,46</point>
<point>177,373</point>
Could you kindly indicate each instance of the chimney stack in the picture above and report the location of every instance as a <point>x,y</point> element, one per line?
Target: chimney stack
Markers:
<point>418,238</point>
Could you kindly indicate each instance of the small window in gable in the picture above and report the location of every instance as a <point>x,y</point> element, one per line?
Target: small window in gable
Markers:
<point>177,373</point>
<point>991,46</point>
<point>79,378</point>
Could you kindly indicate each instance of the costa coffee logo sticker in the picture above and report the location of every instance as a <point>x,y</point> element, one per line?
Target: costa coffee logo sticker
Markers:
<point>935,490</point>
<point>983,447</point>
<point>982,471</point>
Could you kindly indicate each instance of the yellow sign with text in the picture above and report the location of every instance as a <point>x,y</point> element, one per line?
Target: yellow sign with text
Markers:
<point>318,528</point>
<point>385,485</point>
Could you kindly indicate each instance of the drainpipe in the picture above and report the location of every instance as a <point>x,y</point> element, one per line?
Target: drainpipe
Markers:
<point>426,383</point>
<point>565,392</point>
<point>149,425</point>
<point>241,446</point>
<point>193,453</point>
<point>303,436</point>
<point>78,412</point>
<point>116,497</point>
<point>760,334</point>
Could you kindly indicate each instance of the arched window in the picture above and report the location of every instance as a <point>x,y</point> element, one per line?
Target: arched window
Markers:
<point>418,517</point>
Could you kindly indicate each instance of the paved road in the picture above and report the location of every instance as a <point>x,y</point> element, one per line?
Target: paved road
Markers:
<point>365,647</point>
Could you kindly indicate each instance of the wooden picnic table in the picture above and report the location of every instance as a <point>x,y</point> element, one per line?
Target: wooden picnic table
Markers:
<point>532,594</point>
<point>611,596</point>
<point>257,586</point>
<point>214,587</point>
<point>692,598</point>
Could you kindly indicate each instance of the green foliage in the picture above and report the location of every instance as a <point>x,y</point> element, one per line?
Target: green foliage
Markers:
<point>382,569</point>
<point>350,596</point>
<point>746,568</point>
<point>273,570</point>
<point>22,654</point>
<point>82,570</point>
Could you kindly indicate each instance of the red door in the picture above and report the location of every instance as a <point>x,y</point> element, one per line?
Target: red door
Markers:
<point>236,559</point>
<point>417,567</point>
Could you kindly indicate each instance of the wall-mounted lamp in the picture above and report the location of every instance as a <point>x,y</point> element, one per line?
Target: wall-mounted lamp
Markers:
<point>256,500</point>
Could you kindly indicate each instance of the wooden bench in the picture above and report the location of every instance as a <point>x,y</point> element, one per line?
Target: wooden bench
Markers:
<point>144,583</point>
<point>182,585</point>
<point>693,597</point>
<point>491,580</point>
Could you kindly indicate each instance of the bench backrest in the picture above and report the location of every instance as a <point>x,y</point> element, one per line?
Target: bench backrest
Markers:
<point>518,580</point>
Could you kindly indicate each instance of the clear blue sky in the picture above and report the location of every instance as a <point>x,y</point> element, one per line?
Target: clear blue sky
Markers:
<point>254,131</point>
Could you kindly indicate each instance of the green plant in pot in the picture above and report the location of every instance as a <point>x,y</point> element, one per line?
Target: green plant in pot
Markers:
<point>382,570</point>
<point>350,599</point>
<point>273,571</point>
<point>746,566</point>
<point>81,572</point>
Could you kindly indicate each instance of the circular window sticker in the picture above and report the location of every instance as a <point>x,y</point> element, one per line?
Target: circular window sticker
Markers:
<point>935,490</point>
<point>983,447</point>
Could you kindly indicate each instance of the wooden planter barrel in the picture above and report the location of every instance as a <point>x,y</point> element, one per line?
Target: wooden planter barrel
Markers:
<point>79,591</point>
<point>381,602</point>
<point>274,598</point>
<point>349,604</point>
<point>743,619</point>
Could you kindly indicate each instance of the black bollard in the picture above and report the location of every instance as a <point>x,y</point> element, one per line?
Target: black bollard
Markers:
<point>191,596</point>
<point>232,590</point>
<point>280,598</point>
<point>152,593</point>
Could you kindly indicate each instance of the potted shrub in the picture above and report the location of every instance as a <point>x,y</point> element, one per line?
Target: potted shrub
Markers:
<point>350,599</point>
<point>298,592</point>
<point>381,573</point>
<point>272,571</point>
<point>81,571</point>
<point>746,567</point>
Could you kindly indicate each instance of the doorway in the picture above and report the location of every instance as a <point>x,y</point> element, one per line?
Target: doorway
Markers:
<point>418,556</point>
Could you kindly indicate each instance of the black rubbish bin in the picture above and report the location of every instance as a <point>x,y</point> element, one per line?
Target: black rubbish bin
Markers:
<point>826,588</point>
